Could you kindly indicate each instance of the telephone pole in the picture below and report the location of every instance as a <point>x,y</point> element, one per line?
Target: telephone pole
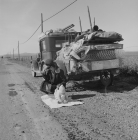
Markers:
<point>13,53</point>
<point>89,19</point>
<point>80,25</point>
<point>18,51</point>
<point>94,21</point>
<point>10,55</point>
<point>41,22</point>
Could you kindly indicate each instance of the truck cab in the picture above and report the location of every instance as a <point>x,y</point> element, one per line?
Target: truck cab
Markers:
<point>49,45</point>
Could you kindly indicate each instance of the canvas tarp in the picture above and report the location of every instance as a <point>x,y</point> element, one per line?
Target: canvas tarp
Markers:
<point>70,51</point>
<point>88,36</point>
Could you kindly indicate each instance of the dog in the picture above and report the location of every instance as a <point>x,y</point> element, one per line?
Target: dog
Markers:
<point>60,94</point>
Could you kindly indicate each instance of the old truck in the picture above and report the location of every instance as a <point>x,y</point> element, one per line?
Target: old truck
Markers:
<point>99,61</point>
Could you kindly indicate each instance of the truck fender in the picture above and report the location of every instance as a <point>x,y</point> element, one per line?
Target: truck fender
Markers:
<point>61,66</point>
<point>34,65</point>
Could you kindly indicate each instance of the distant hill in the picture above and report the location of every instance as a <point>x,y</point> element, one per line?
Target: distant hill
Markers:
<point>28,54</point>
<point>22,55</point>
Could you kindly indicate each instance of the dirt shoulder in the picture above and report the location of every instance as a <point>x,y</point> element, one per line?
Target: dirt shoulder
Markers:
<point>103,116</point>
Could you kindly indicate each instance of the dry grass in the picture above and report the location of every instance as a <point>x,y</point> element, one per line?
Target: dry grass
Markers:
<point>129,65</point>
<point>22,62</point>
<point>129,68</point>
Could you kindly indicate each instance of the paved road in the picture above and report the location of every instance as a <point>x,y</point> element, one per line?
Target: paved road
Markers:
<point>22,114</point>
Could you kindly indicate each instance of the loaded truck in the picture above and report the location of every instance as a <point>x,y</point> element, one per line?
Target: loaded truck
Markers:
<point>81,55</point>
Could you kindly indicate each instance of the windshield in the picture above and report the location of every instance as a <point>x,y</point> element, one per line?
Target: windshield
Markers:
<point>55,43</point>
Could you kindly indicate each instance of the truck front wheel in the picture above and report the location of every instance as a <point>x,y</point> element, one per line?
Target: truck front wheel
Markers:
<point>106,78</point>
<point>32,71</point>
<point>34,67</point>
<point>33,74</point>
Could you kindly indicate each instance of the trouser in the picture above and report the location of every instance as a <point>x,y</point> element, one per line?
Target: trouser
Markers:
<point>47,87</point>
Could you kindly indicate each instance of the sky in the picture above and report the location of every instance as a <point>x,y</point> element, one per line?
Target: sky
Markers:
<point>20,18</point>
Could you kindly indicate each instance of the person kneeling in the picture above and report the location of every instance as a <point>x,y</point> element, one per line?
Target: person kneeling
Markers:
<point>53,76</point>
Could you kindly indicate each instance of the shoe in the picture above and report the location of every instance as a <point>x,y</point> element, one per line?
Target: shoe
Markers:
<point>47,92</point>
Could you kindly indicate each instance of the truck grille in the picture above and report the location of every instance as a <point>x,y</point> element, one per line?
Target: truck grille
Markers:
<point>97,55</point>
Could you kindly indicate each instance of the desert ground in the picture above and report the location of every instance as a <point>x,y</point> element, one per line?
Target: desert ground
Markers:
<point>103,116</point>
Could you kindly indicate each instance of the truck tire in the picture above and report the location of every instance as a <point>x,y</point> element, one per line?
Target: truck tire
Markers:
<point>106,78</point>
<point>34,66</point>
<point>33,73</point>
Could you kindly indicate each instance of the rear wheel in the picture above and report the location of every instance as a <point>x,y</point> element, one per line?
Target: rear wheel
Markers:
<point>106,78</point>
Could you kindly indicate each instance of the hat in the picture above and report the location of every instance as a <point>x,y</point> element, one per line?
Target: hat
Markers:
<point>48,62</point>
<point>95,28</point>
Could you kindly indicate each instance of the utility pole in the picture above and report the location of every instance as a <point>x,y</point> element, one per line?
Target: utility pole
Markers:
<point>89,19</point>
<point>94,21</point>
<point>80,25</point>
<point>18,52</point>
<point>41,23</point>
<point>13,53</point>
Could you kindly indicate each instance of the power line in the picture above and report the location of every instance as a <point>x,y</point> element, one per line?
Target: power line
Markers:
<point>48,19</point>
<point>31,35</point>
<point>60,11</point>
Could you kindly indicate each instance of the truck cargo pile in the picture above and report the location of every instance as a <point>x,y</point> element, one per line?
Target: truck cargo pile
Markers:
<point>89,40</point>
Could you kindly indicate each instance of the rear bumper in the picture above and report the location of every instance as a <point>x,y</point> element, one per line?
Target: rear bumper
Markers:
<point>92,74</point>
<point>100,65</point>
<point>91,69</point>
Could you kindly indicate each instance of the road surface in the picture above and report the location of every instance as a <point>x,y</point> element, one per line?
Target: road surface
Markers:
<point>23,116</point>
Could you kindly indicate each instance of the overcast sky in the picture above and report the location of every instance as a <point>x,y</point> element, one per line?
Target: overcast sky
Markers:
<point>20,18</point>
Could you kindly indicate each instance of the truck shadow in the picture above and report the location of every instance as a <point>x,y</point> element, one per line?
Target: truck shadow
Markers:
<point>80,96</point>
<point>39,76</point>
<point>120,84</point>
<point>123,85</point>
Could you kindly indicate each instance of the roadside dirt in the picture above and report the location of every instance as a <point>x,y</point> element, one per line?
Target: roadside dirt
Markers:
<point>103,116</point>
